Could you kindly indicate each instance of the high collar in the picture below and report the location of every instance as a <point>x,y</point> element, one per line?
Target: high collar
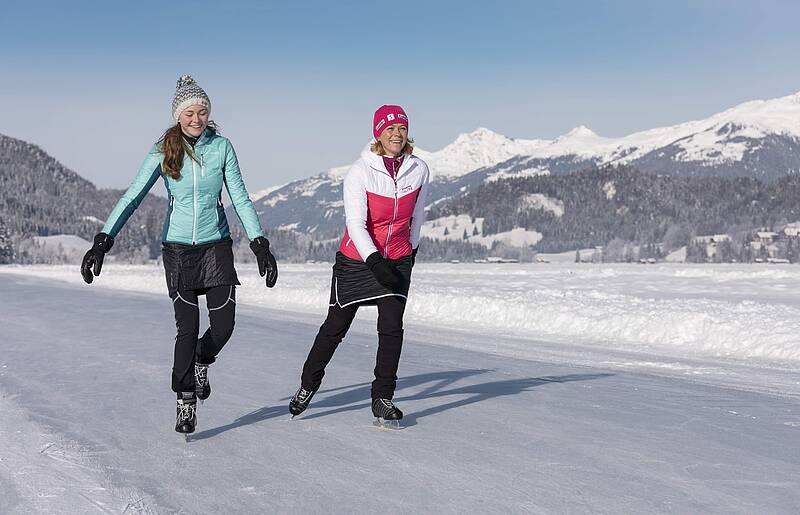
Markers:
<point>191,140</point>
<point>200,140</point>
<point>376,162</point>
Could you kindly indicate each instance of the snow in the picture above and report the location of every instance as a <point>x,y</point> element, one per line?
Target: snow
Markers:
<point>527,172</point>
<point>496,421</point>
<point>94,219</point>
<point>729,311</point>
<point>477,149</point>
<point>516,237</point>
<point>454,225</point>
<point>610,190</point>
<point>710,141</point>
<point>266,191</point>
<point>69,242</point>
<point>676,256</point>
<point>543,202</point>
<point>274,200</point>
<point>557,257</point>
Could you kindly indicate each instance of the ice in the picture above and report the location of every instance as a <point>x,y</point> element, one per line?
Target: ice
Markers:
<point>496,420</point>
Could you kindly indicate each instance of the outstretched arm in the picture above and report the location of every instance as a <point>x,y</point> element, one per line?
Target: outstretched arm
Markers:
<point>144,180</point>
<point>239,197</point>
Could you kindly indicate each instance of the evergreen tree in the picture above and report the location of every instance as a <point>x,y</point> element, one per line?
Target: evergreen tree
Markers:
<point>6,245</point>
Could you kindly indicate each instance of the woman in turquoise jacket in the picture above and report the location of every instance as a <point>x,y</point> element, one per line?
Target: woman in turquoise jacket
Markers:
<point>194,162</point>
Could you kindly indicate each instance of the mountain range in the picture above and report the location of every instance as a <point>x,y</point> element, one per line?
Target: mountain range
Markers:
<point>758,139</point>
<point>487,189</point>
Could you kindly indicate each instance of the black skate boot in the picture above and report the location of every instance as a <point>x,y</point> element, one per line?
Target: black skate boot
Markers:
<point>387,415</point>
<point>186,414</point>
<point>300,401</point>
<point>202,386</point>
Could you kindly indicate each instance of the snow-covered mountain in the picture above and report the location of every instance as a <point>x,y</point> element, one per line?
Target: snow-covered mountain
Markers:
<point>315,204</point>
<point>758,139</point>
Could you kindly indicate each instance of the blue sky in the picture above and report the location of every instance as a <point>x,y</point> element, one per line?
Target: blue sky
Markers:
<point>294,86</point>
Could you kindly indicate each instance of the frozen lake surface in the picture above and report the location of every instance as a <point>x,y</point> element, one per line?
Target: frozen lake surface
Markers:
<point>526,388</point>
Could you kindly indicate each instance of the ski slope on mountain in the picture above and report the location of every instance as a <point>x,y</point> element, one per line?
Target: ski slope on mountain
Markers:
<point>578,428</point>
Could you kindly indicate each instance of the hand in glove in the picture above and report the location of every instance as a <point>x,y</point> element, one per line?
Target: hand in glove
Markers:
<point>266,261</point>
<point>383,271</point>
<point>93,259</point>
<point>414,256</point>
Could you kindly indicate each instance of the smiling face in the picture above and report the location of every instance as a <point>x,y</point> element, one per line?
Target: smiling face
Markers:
<point>394,138</point>
<point>193,120</point>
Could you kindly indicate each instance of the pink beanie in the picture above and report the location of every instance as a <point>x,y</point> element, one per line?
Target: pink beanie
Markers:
<point>387,115</point>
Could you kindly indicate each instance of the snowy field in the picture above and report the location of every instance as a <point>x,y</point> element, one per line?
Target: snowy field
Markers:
<point>548,388</point>
<point>742,312</point>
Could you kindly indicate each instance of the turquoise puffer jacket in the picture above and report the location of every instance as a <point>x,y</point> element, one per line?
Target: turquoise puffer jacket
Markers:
<point>195,214</point>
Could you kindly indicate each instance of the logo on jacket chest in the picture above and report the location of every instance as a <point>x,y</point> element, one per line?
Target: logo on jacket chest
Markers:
<point>405,189</point>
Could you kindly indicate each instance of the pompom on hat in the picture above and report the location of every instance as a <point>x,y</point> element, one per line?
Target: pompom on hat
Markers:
<point>188,93</point>
<point>385,116</point>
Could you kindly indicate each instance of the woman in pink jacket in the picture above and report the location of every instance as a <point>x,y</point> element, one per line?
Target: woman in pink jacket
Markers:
<point>384,201</point>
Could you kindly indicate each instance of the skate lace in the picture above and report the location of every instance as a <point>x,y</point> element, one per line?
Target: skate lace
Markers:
<point>303,395</point>
<point>201,374</point>
<point>185,411</point>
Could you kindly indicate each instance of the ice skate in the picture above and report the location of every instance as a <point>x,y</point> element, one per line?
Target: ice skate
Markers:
<point>202,385</point>
<point>300,401</point>
<point>186,414</point>
<point>387,415</point>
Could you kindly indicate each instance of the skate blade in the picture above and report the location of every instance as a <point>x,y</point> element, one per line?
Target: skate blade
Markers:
<point>386,424</point>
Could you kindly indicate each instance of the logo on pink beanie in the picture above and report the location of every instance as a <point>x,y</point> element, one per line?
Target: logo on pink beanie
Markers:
<point>387,115</point>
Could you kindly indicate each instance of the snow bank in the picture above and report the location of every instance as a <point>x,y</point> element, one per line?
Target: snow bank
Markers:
<point>731,311</point>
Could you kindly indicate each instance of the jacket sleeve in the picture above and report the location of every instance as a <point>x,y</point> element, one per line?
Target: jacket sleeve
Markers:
<point>355,210</point>
<point>418,217</point>
<point>136,192</point>
<point>242,204</point>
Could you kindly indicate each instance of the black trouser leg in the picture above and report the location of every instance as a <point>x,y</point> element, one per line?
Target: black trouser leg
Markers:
<point>390,343</point>
<point>187,320</point>
<point>328,338</point>
<point>221,302</point>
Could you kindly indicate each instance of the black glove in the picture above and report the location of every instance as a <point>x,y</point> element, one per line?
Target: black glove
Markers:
<point>266,261</point>
<point>383,271</point>
<point>93,259</point>
<point>414,256</point>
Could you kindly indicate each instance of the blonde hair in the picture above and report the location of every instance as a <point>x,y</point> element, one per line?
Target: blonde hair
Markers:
<point>377,148</point>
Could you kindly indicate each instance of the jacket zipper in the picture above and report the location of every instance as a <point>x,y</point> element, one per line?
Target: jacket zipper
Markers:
<point>194,211</point>
<point>171,213</point>
<point>394,217</point>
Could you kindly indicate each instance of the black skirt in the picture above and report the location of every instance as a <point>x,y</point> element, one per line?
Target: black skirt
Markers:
<point>196,267</point>
<point>353,282</point>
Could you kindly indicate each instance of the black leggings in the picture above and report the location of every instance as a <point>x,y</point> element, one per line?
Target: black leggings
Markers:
<point>221,302</point>
<point>390,343</point>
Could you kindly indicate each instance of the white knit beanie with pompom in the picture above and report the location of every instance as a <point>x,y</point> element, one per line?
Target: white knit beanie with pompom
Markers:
<point>188,93</point>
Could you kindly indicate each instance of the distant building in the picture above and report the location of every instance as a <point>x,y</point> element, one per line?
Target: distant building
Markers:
<point>766,237</point>
<point>792,230</point>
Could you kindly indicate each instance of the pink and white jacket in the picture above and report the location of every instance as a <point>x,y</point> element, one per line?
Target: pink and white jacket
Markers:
<point>383,214</point>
